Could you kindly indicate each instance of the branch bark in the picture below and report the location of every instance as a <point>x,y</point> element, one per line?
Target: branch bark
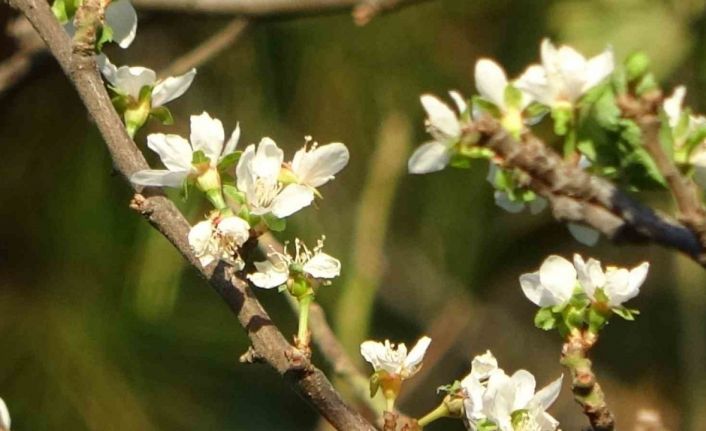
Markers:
<point>363,10</point>
<point>267,340</point>
<point>580,197</point>
<point>587,392</point>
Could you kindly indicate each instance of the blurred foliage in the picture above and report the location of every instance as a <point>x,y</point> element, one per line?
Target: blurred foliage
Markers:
<point>104,328</point>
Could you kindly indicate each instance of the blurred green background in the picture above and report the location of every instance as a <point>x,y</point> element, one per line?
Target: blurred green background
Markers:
<point>102,327</point>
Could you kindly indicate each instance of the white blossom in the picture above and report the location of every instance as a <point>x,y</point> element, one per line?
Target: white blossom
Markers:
<point>121,17</point>
<point>552,285</point>
<point>672,106</point>
<point>618,284</point>
<point>395,361</point>
<point>508,396</point>
<point>492,83</point>
<point>207,136</point>
<point>564,75</point>
<point>474,385</point>
<point>4,416</point>
<point>313,263</point>
<point>219,238</point>
<point>128,81</point>
<point>444,125</point>
<point>316,165</point>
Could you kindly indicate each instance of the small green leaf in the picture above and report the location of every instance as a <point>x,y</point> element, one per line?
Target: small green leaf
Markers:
<point>596,320</point>
<point>275,224</point>
<point>59,10</point>
<point>162,114</point>
<point>545,319</point>
<point>229,161</point>
<point>105,36</point>
<point>646,84</point>
<point>199,157</point>
<point>625,313</point>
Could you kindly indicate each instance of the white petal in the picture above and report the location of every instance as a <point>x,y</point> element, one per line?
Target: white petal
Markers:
<point>323,266</point>
<point>590,275</point>
<point>460,102</point>
<point>534,82</point>
<point>4,416</point>
<point>130,80</point>
<point>617,286</point>
<point>584,234</point>
<point>672,105</point>
<point>268,160</point>
<point>207,135</point>
<point>598,68</point>
<point>441,117</point>
<point>415,356</point>
<point>108,69</point>
<point>430,157</point>
<point>159,178</point>
<point>122,18</point>
<point>524,389</point>
<point>235,228</point>
<point>169,89</point>
<point>232,143</point>
<point>243,170</point>
<point>318,166</point>
<point>268,275</point>
<point>174,151</point>
<point>546,396</point>
<point>491,82</point>
<point>503,201</point>
<point>200,236</point>
<point>638,275</point>
<point>290,200</point>
<point>372,351</point>
<point>558,275</point>
<point>483,365</point>
<point>535,292</point>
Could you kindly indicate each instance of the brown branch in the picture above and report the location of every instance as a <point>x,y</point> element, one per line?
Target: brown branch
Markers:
<point>580,197</point>
<point>267,341</point>
<point>645,112</point>
<point>587,392</point>
<point>363,10</point>
<point>207,49</point>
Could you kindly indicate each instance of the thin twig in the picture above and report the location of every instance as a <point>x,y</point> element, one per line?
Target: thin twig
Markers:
<point>266,339</point>
<point>207,49</point>
<point>580,197</point>
<point>587,392</point>
<point>363,10</point>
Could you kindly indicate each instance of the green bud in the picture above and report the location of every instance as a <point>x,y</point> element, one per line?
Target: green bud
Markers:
<point>637,65</point>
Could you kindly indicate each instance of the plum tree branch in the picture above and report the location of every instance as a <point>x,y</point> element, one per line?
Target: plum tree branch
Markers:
<point>267,341</point>
<point>577,196</point>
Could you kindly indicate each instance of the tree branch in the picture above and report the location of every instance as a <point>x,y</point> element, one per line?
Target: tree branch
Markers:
<point>363,10</point>
<point>587,392</point>
<point>266,339</point>
<point>580,197</point>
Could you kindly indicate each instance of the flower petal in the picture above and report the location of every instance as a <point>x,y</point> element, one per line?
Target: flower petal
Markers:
<point>5,421</point>
<point>534,291</point>
<point>207,135</point>
<point>318,166</point>
<point>232,143</point>
<point>546,396</point>
<point>638,275</point>
<point>597,69</point>
<point>584,234</point>
<point>440,116</point>
<point>323,265</point>
<point>267,161</point>
<point>108,69</point>
<point>534,82</point>
<point>159,178</point>
<point>430,157</point>
<point>290,200</point>
<point>558,275</point>
<point>174,151</point>
<point>122,18</point>
<point>672,105</point>
<point>525,384</point>
<point>235,228</point>
<point>372,351</point>
<point>130,80</point>
<point>169,89</point>
<point>416,355</point>
<point>491,82</point>
<point>268,275</point>
<point>243,170</point>
<point>460,102</point>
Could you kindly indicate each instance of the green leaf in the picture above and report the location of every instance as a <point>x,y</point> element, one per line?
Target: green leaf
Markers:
<point>199,157</point>
<point>275,224</point>
<point>545,319</point>
<point>59,10</point>
<point>229,161</point>
<point>374,384</point>
<point>105,36</point>
<point>162,114</point>
<point>513,97</point>
<point>626,313</point>
<point>233,193</point>
<point>636,66</point>
<point>460,161</point>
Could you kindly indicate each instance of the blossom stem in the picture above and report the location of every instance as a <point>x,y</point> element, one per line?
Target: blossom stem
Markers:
<point>216,198</point>
<point>390,403</point>
<point>441,411</point>
<point>303,334</point>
